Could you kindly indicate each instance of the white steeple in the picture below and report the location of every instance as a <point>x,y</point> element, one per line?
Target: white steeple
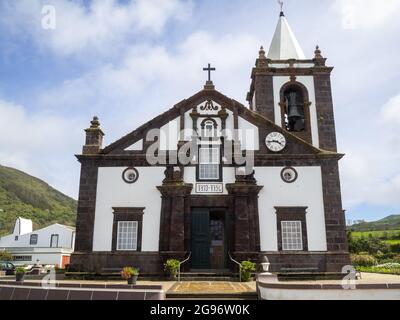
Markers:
<point>284,44</point>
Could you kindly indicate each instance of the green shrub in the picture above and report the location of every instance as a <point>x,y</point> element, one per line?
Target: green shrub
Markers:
<point>172,267</point>
<point>5,256</point>
<point>363,260</point>
<point>246,268</point>
<point>20,270</point>
<point>395,247</point>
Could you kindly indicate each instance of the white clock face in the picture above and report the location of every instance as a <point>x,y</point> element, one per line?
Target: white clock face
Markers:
<point>275,141</point>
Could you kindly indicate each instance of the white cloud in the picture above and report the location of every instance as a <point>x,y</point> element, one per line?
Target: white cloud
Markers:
<point>149,79</point>
<point>367,14</point>
<point>370,168</point>
<point>100,27</point>
<point>391,111</point>
<point>41,145</point>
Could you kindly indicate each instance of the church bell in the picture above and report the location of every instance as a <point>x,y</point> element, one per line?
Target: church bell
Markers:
<point>293,108</point>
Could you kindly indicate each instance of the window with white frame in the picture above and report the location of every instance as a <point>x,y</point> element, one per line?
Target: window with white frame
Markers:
<point>291,236</point>
<point>127,235</point>
<point>209,164</point>
<point>54,241</point>
<point>33,239</point>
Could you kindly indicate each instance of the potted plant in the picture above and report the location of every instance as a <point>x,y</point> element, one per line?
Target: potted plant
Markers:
<point>172,267</point>
<point>19,274</point>
<point>247,267</point>
<point>130,274</point>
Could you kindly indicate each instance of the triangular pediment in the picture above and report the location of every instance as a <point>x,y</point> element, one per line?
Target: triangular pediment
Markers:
<point>129,143</point>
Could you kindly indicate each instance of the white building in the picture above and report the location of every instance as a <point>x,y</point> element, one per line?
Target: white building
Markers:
<point>52,245</point>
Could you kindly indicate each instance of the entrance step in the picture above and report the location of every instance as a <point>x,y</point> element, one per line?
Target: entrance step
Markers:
<point>211,296</point>
<point>211,290</point>
<point>210,276</point>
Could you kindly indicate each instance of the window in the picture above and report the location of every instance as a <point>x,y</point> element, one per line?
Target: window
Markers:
<point>127,235</point>
<point>209,129</point>
<point>54,241</point>
<point>292,236</point>
<point>33,239</point>
<point>209,164</point>
<point>22,258</point>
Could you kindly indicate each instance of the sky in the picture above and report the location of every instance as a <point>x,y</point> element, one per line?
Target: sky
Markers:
<point>127,61</point>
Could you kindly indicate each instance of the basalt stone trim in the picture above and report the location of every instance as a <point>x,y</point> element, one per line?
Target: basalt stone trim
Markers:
<point>292,214</point>
<point>246,216</point>
<point>86,208</point>
<point>127,214</point>
<point>15,292</point>
<point>320,261</point>
<point>325,113</point>
<point>172,216</point>
<point>335,222</point>
<point>149,263</point>
<point>264,92</point>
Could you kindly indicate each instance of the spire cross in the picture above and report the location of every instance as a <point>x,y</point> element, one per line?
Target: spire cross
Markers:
<point>209,69</point>
<point>281,4</point>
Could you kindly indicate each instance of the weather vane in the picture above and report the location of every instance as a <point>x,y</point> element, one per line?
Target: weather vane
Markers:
<point>281,4</point>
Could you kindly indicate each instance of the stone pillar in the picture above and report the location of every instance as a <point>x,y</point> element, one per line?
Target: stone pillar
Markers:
<point>246,220</point>
<point>174,196</point>
<point>262,88</point>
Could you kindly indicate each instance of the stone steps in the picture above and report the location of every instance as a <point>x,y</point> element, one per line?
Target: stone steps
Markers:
<point>212,296</point>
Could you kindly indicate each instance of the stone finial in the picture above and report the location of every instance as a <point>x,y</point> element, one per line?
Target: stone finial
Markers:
<point>319,60</point>
<point>94,137</point>
<point>95,123</point>
<point>262,59</point>
<point>262,53</point>
<point>317,53</point>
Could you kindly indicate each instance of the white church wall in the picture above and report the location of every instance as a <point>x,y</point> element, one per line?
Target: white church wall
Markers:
<point>112,191</point>
<point>138,146</point>
<point>306,191</point>
<point>248,135</point>
<point>169,135</point>
<point>308,82</point>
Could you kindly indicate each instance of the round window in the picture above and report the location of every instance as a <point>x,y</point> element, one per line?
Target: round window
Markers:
<point>289,175</point>
<point>130,175</point>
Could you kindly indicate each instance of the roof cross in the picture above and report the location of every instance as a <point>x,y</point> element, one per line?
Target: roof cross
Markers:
<point>209,69</point>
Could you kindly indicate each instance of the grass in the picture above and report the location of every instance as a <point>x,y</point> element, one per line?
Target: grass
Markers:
<point>392,241</point>
<point>395,271</point>
<point>376,234</point>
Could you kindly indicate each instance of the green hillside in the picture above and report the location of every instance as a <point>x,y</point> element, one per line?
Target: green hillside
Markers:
<point>388,223</point>
<point>22,195</point>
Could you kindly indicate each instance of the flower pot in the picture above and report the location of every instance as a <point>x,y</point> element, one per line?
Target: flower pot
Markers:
<point>132,280</point>
<point>173,276</point>
<point>19,277</point>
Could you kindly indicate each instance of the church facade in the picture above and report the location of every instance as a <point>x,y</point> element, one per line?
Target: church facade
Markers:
<point>216,179</point>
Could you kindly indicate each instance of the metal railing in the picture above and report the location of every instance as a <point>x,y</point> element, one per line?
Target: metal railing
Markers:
<point>180,264</point>
<point>240,266</point>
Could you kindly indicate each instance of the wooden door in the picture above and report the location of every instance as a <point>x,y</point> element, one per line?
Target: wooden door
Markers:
<point>200,238</point>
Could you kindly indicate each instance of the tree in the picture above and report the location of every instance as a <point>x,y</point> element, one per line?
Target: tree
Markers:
<point>5,256</point>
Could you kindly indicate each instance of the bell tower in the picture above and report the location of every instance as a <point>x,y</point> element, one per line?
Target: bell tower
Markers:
<point>293,91</point>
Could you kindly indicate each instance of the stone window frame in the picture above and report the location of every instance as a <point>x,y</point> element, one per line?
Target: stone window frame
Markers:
<point>292,214</point>
<point>127,214</point>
